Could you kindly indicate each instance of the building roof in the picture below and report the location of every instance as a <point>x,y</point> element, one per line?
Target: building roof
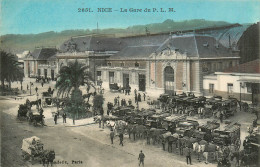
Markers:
<point>135,52</point>
<point>153,39</point>
<point>92,43</point>
<point>202,46</point>
<point>249,67</point>
<point>43,53</point>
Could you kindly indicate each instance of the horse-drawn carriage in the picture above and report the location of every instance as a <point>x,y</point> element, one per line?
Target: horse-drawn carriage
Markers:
<point>121,111</point>
<point>186,127</point>
<point>22,111</point>
<point>155,121</point>
<point>113,87</point>
<point>47,99</point>
<point>228,107</point>
<point>32,149</point>
<point>229,135</point>
<point>35,116</point>
<point>172,121</point>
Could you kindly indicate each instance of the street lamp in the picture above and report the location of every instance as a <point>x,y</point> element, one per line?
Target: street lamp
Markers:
<point>240,94</point>
<point>30,88</point>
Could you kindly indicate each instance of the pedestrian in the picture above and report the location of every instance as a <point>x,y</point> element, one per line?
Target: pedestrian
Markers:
<point>139,97</point>
<point>115,101</point>
<point>27,87</point>
<point>141,158</point>
<point>188,154</point>
<point>135,92</point>
<point>42,83</point>
<point>36,89</point>
<point>144,96</point>
<point>169,145</point>
<point>64,117</point>
<point>130,102</point>
<point>129,90</point>
<point>99,122</point>
<point>55,118</point>
<point>163,144</point>
<point>180,145</point>
<point>221,117</point>
<point>121,138</point>
<point>122,102</point>
<point>112,135</point>
<point>148,138</point>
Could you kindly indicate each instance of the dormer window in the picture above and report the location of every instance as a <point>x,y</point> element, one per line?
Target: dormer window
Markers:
<point>122,64</point>
<point>109,64</point>
<point>137,64</point>
<point>217,46</point>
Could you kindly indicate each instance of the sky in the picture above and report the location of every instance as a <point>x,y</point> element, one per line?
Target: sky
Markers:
<point>36,16</point>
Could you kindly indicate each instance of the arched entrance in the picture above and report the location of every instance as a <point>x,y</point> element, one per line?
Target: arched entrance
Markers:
<point>169,80</point>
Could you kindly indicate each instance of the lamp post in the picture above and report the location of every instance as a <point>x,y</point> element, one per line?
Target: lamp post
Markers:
<point>30,88</point>
<point>155,69</point>
<point>240,95</point>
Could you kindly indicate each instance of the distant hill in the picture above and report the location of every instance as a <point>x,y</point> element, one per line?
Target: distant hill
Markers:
<point>17,43</point>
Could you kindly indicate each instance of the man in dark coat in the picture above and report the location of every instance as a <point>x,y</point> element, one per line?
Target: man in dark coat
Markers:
<point>139,97</point>
<point>130,102</point>
<point>188,154</point>
<point>163,144</point>
<point>135,92</point>
<point>122,102</point>
<point>221,117</point>
<point>144,96</point>
<point>121,138</point>
<point>64,117</point>
<point>141,158</point>
<point>55,118</point>
<point>115,101</point>
<point>36,89</point>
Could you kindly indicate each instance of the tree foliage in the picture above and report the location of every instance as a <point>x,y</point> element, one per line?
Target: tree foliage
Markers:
<point>71,77</point>
<point>10,69</point>
<point>98,101</point>
<point>76,106</point>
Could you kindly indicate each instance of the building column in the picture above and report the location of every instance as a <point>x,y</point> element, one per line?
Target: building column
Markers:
<point>188,76</point>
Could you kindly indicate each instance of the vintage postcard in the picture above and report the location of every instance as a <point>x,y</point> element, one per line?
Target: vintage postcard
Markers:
<point>155,83</point>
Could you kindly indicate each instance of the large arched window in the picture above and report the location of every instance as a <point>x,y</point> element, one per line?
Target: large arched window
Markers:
<point>169,79</point>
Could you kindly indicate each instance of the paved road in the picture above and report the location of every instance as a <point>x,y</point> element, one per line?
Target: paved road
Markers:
<point>68,146</point>
<point>90,145</point>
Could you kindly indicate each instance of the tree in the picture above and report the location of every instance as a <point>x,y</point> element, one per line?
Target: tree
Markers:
<point>10,70</point>
<point>69,80</point>
<point>71,77</point>
<point>76,105</point>
<point>98,101</point>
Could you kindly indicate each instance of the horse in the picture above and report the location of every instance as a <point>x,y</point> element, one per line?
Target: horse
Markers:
<point>87,96</point>
<point>141,131</point>
<point>47,157</point>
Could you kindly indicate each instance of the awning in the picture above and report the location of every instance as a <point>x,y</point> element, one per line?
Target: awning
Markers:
<point>249,80</point>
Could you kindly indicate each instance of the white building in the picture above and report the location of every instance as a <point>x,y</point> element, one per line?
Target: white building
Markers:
<point>241,82</point>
